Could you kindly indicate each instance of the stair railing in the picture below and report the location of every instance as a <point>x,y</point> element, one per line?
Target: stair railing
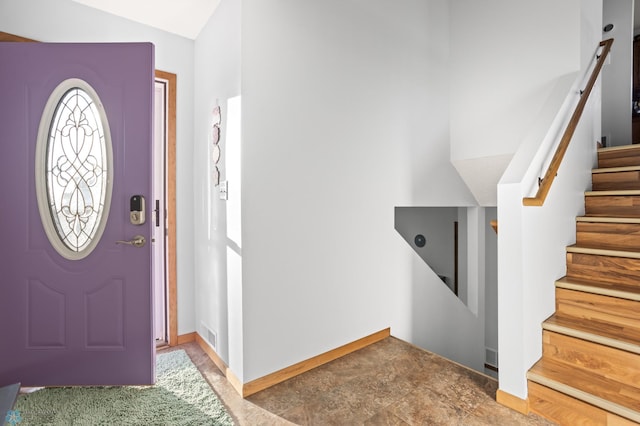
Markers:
<point>554,165</point>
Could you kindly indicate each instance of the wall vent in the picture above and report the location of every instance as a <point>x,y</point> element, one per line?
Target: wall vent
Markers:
<point>491,357</point>
<point>210,336</point>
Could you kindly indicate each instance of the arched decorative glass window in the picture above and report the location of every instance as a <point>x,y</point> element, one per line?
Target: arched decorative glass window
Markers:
<point>74,169</point>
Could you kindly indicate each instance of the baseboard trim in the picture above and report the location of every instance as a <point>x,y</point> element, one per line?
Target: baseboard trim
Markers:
<point>513,402</point>
<point>222,366</point>
<point>255,386</point>
<point>280,376</point>
<point>186,338</point>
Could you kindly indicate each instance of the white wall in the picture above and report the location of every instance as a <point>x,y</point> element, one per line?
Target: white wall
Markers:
<point>505,58</point>
<point>218,243</point>
<point>442,322</point>
<point>345,116</point>
<point>68,21</point>
<point>532,240</point>
<point>436,223</point>
<point>616,75</point>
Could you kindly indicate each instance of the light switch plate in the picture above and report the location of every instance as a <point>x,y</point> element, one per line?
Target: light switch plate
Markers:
<point>224,195</point>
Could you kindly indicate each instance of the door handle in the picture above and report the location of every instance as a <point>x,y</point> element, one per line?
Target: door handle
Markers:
<point>137,241</point>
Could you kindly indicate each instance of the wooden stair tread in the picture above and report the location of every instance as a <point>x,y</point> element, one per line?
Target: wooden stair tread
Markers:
<point>616,169</point>
<point>620,290</point>
<point>563,409</point>
<point>608,219</point>
<point>594,331</point>
<point>614,192</point>
<point>603,268</point>
<point>621,215</point>
<point>619,156</point>
<point>611,177</point>
<point>621,203</point>
<point>609,149</point>
<point>613,251</point>
<point>611,236</point>
<point>604,392</point>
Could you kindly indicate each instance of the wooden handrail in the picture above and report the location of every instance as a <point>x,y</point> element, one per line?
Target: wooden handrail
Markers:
<point>552,171</point>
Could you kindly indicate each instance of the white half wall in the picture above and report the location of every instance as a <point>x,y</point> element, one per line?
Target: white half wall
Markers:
<point>532,240</point>
<point>68,21</point>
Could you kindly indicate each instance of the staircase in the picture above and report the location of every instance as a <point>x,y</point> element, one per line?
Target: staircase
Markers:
<point>589,372</point>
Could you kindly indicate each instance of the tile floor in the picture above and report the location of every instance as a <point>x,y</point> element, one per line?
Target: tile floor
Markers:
<point>388,383</point>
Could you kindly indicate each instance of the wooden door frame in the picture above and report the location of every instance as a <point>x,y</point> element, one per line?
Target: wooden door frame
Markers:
<point>172,268</point>
<point>13,37</point>
<point>172,277</point>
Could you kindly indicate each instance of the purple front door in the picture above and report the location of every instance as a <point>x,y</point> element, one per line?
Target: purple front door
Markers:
<point>86,321</point>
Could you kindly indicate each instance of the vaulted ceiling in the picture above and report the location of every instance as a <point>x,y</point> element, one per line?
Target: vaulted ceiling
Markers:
<point>182,17</point>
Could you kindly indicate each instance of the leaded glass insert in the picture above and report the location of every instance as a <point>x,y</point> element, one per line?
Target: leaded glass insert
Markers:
<point>74,169</point>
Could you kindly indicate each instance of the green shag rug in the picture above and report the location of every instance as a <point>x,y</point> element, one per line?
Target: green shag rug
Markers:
<point>180,396</point>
